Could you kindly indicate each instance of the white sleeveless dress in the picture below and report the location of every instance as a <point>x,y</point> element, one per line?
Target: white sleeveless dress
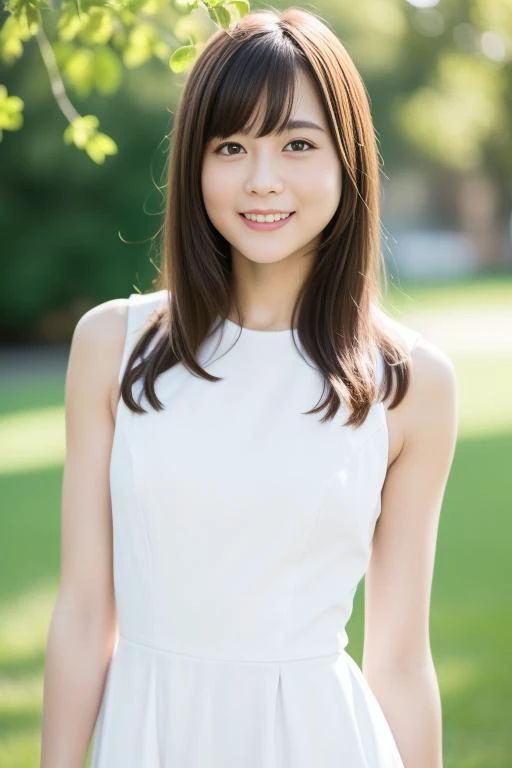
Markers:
<point>241,528</point>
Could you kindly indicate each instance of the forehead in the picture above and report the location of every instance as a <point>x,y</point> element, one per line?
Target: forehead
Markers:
<point>306,110</point>
<point>293,124</point>
<point>261,104</point>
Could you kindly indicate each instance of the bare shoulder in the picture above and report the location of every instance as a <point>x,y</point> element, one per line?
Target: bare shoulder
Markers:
<point>396,329</point>
<point>97,347</point>
<point>431,366</point>
<point>429,407</point>
<point>431,402</point>
<point>103,319</point>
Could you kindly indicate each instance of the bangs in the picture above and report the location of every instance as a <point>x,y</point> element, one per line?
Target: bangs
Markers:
<point>260,74</point>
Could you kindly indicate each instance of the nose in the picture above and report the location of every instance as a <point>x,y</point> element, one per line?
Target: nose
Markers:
<point>262,177</point>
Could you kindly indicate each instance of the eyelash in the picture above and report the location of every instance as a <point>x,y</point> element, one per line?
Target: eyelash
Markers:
<point>293,141</point>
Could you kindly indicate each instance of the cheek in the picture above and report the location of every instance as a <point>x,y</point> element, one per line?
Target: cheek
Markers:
<point>321,193</point>
<point>214,192</point>
<point>207,184</point>
<point>321,181</point>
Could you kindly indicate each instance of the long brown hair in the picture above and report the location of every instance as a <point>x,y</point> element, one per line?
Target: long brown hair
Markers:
<point>336,314</point>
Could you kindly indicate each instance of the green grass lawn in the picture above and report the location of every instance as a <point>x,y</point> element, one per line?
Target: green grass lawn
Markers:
<point>471,621</point>
<point>435,294</point>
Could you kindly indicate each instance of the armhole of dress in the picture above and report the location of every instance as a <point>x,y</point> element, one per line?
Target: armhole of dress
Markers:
<point>129,339</point>
<point>379,369</point>
<point>409,339</point>
<point>140,308</point>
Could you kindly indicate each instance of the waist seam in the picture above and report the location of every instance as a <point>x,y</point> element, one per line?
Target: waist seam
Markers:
<point>210,660</point>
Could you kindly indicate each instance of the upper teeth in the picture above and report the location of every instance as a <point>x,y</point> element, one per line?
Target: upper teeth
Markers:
<point>268,217</point>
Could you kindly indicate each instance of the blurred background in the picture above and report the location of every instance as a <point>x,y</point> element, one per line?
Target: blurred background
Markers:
<point>76,232</point>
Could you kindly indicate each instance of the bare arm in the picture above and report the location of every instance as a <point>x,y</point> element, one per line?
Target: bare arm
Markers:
<point>83,625</point>
<point>397,659</point>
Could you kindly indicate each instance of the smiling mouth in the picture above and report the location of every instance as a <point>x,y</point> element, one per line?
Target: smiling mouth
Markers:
<point>266,226</point>
<point>254,217</point>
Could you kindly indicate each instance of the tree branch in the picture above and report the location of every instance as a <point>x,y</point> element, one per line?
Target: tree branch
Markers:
<point>56,82</point>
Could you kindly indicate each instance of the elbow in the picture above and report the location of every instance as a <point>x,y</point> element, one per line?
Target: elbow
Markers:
<point>404,664</point>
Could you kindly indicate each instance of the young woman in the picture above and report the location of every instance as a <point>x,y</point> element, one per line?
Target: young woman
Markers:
<point>246,442</point>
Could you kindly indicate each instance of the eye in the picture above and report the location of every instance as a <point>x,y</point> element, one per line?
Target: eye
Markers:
<point>301,141</point>
<point>226,144</point>
<point>235,144</point>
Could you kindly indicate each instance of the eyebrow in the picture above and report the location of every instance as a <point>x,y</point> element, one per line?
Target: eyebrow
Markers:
<point>292,125</point>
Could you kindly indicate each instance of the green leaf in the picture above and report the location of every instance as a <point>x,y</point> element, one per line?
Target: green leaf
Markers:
<point>63,52</point>
<point>220,16</point>
<point>11,107</point>
<point>133,5</point>
<point>83,133</point>
<point>12,33</point>
<point>11,47</point>
<point>98,26</point>
<point>80,71</point>
<point>27,13</point>
<point>108,72</point>
<point>69,25</point>
<point>224,16</point>
<point>242,7</point>
<point>141,45</point>
<point>99,146</point>
<point>182,58</point>
<point>95,26</point>
<point>81,130</point>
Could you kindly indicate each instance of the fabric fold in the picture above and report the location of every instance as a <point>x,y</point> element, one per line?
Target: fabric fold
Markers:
<point>163,710</point>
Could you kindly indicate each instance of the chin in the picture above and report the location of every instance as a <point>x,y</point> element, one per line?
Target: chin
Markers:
<point>267,260</point>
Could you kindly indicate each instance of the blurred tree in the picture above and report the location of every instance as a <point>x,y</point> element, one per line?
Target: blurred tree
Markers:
<point>93,41</point>
<point>439,79</point>
<point>439,73</point>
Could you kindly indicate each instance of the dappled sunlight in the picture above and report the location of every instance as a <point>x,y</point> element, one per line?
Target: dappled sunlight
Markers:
<point>32,439</point>
<point>483,384</point>
<point>24,624</point>
<point>21,747</point>
<point>469,624</point>
<point>35,439</point>
<point>457,674</point>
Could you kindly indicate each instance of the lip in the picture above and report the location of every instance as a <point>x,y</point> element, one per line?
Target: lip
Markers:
<point>265,213</point>
<point>265,226</point>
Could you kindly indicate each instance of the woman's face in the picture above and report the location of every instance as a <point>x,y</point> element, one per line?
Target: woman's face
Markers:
<point>298,170</point>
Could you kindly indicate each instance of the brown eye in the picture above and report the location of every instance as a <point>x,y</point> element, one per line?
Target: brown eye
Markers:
<point>301,141</point>
<point>227,144</point>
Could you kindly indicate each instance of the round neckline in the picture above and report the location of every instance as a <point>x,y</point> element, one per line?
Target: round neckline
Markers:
<point>258,331</point>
